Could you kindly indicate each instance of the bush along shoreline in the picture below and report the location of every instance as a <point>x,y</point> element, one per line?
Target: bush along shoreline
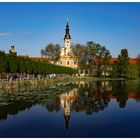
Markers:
<point>9,85</point>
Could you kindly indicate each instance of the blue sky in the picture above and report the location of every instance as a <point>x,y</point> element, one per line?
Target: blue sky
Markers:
<point>31,26</point>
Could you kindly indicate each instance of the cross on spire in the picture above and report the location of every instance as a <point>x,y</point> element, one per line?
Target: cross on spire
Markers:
<point>67,19</point>
<point>67,35</point>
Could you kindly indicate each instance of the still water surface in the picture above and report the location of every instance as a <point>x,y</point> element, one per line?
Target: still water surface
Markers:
<point>80,109</point>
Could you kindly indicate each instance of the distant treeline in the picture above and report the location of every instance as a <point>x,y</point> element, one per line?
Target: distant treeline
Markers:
<point>95,60</point>
<point>10,63</point>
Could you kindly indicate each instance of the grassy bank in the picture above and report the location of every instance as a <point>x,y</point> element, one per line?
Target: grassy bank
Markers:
<point>49,82</point>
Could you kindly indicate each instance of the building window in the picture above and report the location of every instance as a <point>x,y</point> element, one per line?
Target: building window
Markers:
<point>74,62</point>
<point>68,53</point>
<point>67,62</point>
<point>60,62</point>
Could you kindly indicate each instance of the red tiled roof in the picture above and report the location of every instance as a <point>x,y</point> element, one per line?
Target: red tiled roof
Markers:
<point>131,60</point>
<point>37,58</point>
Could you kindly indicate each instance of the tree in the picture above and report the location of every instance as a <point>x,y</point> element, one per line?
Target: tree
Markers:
<point>28,67</point>
<point>122,63</point>
<point>92,49</point>
<point>3,63</point>
<point>12,63</point>
<point>51,51</point>
<point>21,65</point>
<point>103,61</point>
<point>93,57</point>
<point>42,52</point>
<point>132,71</point>
<point>35,68</point>
<point>107,67</point>
<point>80,51</point>
<point>138,64</point>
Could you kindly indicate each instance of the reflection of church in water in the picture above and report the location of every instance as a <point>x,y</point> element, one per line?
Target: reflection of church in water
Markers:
<point>66,100</point>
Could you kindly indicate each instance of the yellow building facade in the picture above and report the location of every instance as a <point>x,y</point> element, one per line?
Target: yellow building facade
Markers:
<point>67,57</point>
<point>12,50</point>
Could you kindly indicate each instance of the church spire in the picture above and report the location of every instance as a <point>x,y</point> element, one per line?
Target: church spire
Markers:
<point>67,35</point>
<point>66,123</point>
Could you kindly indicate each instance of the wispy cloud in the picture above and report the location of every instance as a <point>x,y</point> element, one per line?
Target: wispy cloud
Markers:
<point>5,34</point>
<point>27,32</point>
<point>120,29</point>
<point>16,33</point>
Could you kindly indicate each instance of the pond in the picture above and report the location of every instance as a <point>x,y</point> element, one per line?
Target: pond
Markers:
<point>79,109</point>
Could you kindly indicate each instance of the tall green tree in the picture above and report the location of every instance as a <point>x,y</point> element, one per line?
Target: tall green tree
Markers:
<point>51,51</point>
<point>138,64</point>
<point>91,52</point>
<point>28,66</point>
<point>21,65</point>
<point>106,63</point>
<point>93,57</point>
<point>80,52</point>
<point>12,63</point>
<point>103,61</point>
<point>122,63</point>
<point>3,63</point>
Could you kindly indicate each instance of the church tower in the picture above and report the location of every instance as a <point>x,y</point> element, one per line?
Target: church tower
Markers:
<point>67,40</point>
<point>67,57</point>
<point>12,51</point>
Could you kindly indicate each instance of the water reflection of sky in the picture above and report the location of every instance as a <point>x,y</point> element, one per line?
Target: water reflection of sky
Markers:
<point>90,115</point>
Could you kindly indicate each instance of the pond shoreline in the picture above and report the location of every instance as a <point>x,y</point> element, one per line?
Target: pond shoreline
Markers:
<point>48,82</point>
<point>84,98</point>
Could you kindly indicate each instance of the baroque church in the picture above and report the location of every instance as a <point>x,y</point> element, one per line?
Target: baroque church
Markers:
<point>67,57</point>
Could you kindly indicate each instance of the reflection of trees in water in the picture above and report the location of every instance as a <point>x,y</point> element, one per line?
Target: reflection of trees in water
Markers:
<point>96,87</point>
<point>12,103</point>
<point>52,104</point>
<point>91,98</point>
<point>105,90</point>
<point>13,108</point>
<point>89,105</point>
<point>95,96</point>
<point>120,92</point>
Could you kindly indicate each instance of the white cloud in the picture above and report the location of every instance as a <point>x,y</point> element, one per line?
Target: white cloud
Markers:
<point>5,34</point>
